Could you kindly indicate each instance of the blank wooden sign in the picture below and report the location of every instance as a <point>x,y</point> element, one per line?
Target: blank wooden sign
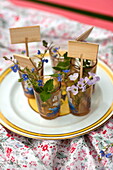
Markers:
<point>87,50</point>
<point>19,35</point>
<point>24,61</point>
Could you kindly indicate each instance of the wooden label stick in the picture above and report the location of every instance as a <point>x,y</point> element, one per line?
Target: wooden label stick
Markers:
<point>26,44</point>
<point>76,48</point>
<point>25,35</point>
<point>81,66</point>
<point>33,64</point>
<point>19,34</point>
<point>24,61</point>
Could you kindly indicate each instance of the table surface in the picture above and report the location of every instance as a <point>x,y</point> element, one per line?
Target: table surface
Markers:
<point>18,152</point>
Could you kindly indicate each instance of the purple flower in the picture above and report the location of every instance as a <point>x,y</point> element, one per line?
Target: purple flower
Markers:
<point>74,89</point>
<point>93,81</point>
<point>102,153</point>
<point>25,77</point>
<point>83,88</point>
<point>68,88</point>
<point>38,52</point>
<point>74,76</point>
<point>15,68</point>
<point>66,71</point>
<point>80,84</point>
<point>91,74</point>
<point>93,78</point>
<point>84,80</point>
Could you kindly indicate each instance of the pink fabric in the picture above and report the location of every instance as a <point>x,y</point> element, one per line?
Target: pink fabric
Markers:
<point>97,6</point>
<point>100,7</point>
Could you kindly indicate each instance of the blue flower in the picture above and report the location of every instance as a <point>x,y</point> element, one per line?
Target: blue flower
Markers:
<point>55,49</point>
<point>55,55</point>
<point>32,70</point>
<point>40,83</point>
<point>15,68</point>
<point>102,153</point>
<point>108,155</point>
<point>38,52</point>
<point>25,77</point>
<point>66,71</point>
<point>45,60</point>
<point>59,77</point>
<point>23,52</point>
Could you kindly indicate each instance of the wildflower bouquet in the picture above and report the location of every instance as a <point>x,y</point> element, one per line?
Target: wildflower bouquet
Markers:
<point>79,92</point>
<point>62,85</point>
<point>32,78</point>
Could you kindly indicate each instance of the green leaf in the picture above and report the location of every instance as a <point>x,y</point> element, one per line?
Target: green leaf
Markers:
<point>48,86</point>
<point>54,75</point>
<point>45,96</point>
<point>57,68</point>
<point>5,58</point>
<point>38,89</point>
<point>44,43</point>
<point>63,63</point>
<point>65,56</point>
<point>20,80</point>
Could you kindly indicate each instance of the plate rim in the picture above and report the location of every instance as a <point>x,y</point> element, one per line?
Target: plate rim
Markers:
<point>73,134</point>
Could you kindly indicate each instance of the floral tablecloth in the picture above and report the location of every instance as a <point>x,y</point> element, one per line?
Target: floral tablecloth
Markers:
<point>93,151</point>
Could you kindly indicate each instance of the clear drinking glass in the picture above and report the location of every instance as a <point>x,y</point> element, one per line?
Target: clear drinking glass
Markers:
<point>80,104</point>
<point>28,91</point>
<point>50,109</point>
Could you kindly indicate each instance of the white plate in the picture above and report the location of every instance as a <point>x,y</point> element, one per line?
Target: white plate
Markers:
<point>18,116</point>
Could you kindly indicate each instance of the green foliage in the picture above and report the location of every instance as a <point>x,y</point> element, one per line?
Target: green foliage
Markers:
<point>5,58</point>
<point>48,86</point>
<point>54,75</point>
<point>62,65</point>
<point>45,91</point>
<point>20,80</point>
<point>45,44</point>
<point>38,89</point>
<point>44,95</point>
<point>65,56</point>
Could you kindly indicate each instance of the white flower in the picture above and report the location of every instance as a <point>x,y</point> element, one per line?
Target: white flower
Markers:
<point>74,76</point>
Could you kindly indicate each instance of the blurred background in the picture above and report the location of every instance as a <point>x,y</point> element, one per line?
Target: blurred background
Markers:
<point>95,12</point>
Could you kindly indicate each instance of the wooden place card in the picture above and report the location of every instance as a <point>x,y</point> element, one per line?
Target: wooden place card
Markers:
<point>87,50</point>
<point>20,34</point>
<point>24,61</point>
<point>83,36</point>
